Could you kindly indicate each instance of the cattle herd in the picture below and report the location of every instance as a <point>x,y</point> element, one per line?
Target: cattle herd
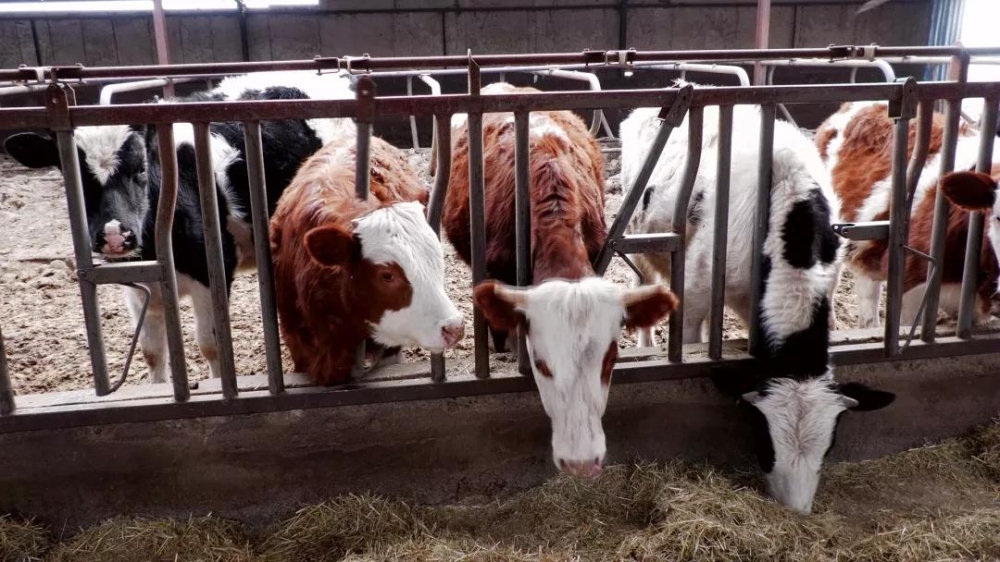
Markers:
<point>349,271</point>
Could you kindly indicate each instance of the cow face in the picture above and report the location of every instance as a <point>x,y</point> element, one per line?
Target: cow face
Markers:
<point>977,192</point>
<point>395,267</point>
<point>794,424</point>
<point>572,332</point>
<point>115,186</point>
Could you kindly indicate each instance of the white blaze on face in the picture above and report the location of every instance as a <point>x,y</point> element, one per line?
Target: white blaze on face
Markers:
<point>801,418</point>
<point>100,146</point>
<point>400,234</point>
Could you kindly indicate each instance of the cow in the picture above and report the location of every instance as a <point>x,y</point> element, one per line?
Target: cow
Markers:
<point>349,271</point>
<point>120,169</point>
<point>792,400</point>
<point>571,318</point>
<point>856,145</point>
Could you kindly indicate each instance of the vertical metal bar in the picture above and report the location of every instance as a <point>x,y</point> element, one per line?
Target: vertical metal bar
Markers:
<point>921,145</point>
<point>213,253</point>
<point>974,244</point>
<point>720,235</point>
<point>669,119</point>
<point>69,157</point>
<point>897,239</point>
<point>761,40</point>
<point>675,346</point>
<point>442,148</point>
<point>762,215</point>
<point>164,245</point>
<point>958,71</point>
<point>522,220</point>
<point>477,219</point>
<point>244,31</point>
<point>6,391</point>
<point>622,25</point>
<point>362,185</point>
<point>413,118</point>
<point>162,48</point>
<point>265,270</point>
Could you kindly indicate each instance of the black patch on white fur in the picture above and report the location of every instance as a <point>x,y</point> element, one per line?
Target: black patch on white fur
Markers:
<point>696,210</point>
<point>646,196</point>
<point>804,355</point>
<point>807,235</point>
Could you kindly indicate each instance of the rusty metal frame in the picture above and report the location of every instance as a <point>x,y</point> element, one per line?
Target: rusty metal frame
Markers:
<point>63,116</point>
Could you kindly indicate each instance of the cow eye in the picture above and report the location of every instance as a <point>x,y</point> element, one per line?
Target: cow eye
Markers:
<point>388,276</point>
<point>141,176</point>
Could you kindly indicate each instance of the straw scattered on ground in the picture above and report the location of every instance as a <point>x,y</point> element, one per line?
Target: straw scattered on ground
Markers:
<point>939,502</point>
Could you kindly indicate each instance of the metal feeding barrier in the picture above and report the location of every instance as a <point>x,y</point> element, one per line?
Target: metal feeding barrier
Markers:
<point>906,100</point>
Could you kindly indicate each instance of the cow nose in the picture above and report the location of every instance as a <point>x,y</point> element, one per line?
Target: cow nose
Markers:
<point>453,331</point>
<point>589,469</point>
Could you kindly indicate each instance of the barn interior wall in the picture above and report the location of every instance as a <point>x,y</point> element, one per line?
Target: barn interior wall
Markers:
<point>436,27</point>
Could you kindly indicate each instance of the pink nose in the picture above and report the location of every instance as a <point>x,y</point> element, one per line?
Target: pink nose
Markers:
<point>453,333</point>
<point>581,469</point>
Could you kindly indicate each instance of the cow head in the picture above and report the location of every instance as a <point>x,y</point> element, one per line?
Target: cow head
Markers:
<point>977,192</point>
<point>115,185</point>
<point>395,266</point>
<point>572,331</point>
<point>794,423</point>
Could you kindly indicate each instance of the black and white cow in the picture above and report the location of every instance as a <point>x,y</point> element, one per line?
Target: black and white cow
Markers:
<point>121,183</point>
<point>795,401</point>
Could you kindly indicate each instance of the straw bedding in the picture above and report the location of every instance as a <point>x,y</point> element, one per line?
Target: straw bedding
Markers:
<point>939,502</point>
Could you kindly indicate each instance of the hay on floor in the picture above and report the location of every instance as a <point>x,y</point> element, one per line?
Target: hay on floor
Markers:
<point>21,541</point>
<point>202,539</point>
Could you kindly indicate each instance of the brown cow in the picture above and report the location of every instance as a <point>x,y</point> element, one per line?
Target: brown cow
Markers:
<point>856,144</point>
<point>572,318</point>
<point>347,270</point>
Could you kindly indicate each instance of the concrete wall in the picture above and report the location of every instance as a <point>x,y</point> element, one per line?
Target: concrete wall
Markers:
<point>436,27</point>
<point>255,467</point>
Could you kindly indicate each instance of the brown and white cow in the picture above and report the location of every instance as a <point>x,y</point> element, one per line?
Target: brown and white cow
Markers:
<point>856,145</point>
<point>572,318</point>
<point>348,270</point>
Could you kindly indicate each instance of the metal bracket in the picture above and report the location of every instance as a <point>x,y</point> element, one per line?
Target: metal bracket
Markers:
<point>365,94</point>
<point>874,230</point>
<point>906,107</point>
<point>475,76</point>
<point>329,64</point>
<point>674,115</point>
<point>349,62</point>
<point>57,102</point>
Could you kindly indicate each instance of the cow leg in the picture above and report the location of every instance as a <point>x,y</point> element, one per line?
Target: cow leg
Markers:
<point>645,337</point>
<point>695,312</point>
<point>869,294</point>
<point>204,325</point>
<point>499,340</point>
<point>153,335</point>
<point>832,295</point>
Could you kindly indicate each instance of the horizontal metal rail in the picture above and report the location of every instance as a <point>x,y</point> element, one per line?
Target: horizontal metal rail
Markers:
<point>35,118</point>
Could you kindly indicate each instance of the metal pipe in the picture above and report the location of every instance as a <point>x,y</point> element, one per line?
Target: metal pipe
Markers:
<point>761,35</point>
<point>442,124</point>
<point>522,221</point>
<point>362,188</point>
<point>112,89</point>
<point>729,70</point>
<point>974,242</point>
<point>595,86</point>
<point>7,404</point>
<point>68,155</point>
<point>259,211</point>
<point>162,49</point>
<point>958,71</point>
<point>897,236</point>
<point>668,120</point>
<point>675,346</point>
<point>435,87</point>
<point>762,214</point>
<point>885,67</point>
<point>164,245</point>
<point>413,118</point>
<point>720,234</point>
<point>218,282</point>
<point>921,146</point>
<point>477,220</point>
<point>22,89</point>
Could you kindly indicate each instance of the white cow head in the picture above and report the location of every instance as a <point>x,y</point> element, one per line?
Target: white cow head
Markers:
<point>794,423</point>
<point>572,331</point>
<point>396,265</point>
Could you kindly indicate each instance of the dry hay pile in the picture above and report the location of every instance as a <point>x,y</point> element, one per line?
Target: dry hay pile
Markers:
<point>939,502</point>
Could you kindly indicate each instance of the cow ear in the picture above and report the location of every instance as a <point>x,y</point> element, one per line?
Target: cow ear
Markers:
<point>733,383</point>
<point>752,397</point>
<point>499,304</point>
<point>330,245</point>
<point>647,305</point>
<point>857,396</point>
<point>32,150</point>
<point>971,191</point>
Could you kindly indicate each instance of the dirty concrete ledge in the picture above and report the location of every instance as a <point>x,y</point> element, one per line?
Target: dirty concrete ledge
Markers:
<point>261,466</point>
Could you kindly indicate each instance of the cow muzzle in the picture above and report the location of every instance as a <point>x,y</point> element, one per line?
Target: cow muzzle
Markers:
<point>114,241</point>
